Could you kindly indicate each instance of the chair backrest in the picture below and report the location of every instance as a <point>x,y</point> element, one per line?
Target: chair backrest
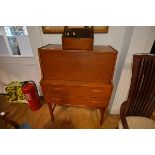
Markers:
<point>141,98</point>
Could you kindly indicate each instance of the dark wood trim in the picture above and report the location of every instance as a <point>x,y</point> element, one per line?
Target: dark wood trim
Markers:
<point>153,48</point>
<point>122,116</point>
<point>7,120</point>
<point>51,109</point>
<point>102,111</point>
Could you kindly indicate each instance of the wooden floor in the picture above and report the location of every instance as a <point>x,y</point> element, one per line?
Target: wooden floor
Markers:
<point>65,117</point>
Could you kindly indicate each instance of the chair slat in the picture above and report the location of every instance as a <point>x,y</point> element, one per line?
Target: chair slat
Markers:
<point>141,98</point>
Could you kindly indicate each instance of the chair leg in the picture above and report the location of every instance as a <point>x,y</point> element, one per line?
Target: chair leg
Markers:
<point>9,121</point>
<point>102,111</point>
<point>51,109</point>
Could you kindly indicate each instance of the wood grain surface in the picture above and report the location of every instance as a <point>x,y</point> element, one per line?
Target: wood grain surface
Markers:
<point>77,77</point>
<point>65,117</point>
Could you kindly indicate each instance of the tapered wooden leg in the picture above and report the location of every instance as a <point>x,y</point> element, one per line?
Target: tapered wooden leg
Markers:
<point>102,111</point>
<point>51,109</point>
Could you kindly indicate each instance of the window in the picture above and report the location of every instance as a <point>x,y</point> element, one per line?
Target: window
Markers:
<point>15,41</point>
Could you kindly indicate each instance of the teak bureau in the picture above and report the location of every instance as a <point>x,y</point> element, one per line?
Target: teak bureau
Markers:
<point>77,77</point>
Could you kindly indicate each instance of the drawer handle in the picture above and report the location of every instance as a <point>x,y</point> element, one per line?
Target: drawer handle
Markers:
<point>97,90</point>
<point>57,99</point>
<point>56,88</point>
<point>95,101</point>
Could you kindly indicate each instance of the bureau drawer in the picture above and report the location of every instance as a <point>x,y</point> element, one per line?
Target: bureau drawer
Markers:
<point>71,90</point>
<point>78,101</point>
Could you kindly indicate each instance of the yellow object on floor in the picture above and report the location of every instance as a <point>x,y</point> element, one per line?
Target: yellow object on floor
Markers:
<point>14,92</point>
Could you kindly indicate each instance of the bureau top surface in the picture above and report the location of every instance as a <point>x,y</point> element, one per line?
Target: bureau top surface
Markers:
<point>95,48</point>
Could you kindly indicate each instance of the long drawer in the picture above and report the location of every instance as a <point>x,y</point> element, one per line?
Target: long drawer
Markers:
<point>77,101</point>
<point>73,90</point>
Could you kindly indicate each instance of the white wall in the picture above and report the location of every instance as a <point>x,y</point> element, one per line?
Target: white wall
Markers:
<point>24,45</point>
<point>17,72</point>
<point>127,40</point>
<point>120,61</point>
<point>3,47</point>
<point>141,42</point>
<point>19,68</point>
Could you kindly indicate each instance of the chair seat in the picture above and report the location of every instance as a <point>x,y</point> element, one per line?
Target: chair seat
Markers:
<point>137,122</point>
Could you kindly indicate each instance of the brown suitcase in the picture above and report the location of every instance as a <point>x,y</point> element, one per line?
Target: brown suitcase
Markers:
<point>78,38</point>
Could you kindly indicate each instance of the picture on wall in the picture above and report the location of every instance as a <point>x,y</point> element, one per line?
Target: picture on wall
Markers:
<point>59,29</point>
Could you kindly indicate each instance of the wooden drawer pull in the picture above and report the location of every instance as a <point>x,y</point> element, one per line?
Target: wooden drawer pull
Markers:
<point>95,102</point>
<point>56,88</point>
<point>57,99</point>
<point>97,90</point>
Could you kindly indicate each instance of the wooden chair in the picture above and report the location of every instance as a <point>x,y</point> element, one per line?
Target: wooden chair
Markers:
<point>137,110</point>
<point>13,123</point>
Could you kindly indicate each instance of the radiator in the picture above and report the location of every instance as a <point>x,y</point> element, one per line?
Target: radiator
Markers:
<point>122,89</point>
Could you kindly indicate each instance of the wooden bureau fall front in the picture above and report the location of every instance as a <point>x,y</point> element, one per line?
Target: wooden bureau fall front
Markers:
<point>77,77</point>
